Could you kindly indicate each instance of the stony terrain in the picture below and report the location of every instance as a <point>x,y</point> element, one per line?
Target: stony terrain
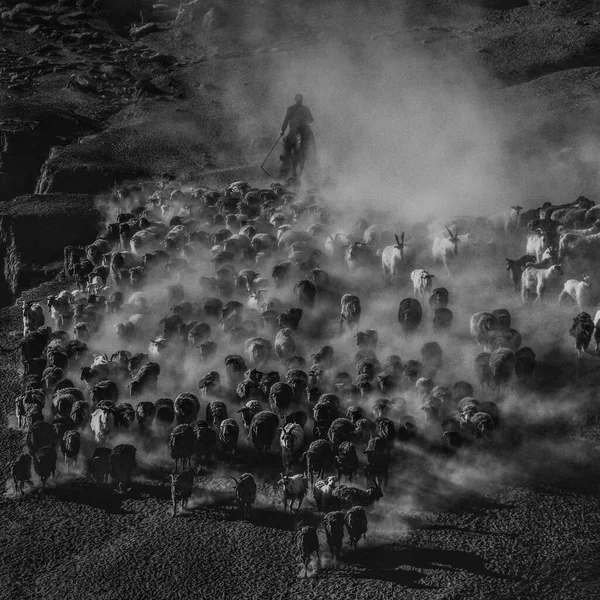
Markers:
<point>92,93</point>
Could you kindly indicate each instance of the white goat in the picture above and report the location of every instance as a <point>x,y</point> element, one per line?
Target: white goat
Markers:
<point>421,281</point>
<point>578,291</point>
<point>392,258</point>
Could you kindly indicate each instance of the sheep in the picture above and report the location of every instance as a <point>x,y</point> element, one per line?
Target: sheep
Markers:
<point>182,486</point>
<point>25,400</point>
<point>536,281</point>
<point>577,291</point>
<point>318,458</point>
<point>359,255</point>
<point>582,330</point>
<point>350,496</point>
<point>294,488</point>
<point>291,441</point>
<point>307,543</point>
<point>305,291</point>
<point>70,445</point>
<point>164,412</point>
<point>378,458</point>
<point>347,460</point>
<point>33,317</point>
<point>187,407</point>
<point>145,412</point>
<point>340,430</point>
<point>21,473</point>
<point>258,350</point>
<point>392,259</point>
<point>442,319</point>
<point>40,434</point>
<point>262,431</point>
<point>182,445</point>
<point>285,346</point>
<point>323,492</point>
<point>101,464</point>
<point>229,432</point>
<point>206,442</point>
<point>350,311</point>
<point>333,522</point>
<point>245,493</point>
<point>122,463</point>
<point>102,424</point>
<point>104,390</point>
<point>280,397</point>
<point>421,281</point>
<point>502,366</point>
<point>410,314</point>
<point>356,524</point>
<point>439,298</point>
<point>44,463</point>
<point>290,318</point>
<point>445,249</point>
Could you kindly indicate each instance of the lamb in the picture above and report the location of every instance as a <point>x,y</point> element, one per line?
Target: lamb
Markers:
<point>333,522</point>
<point>21,473</point>
<point>245,493</point>
<point>44,463</point>
<point>307,542</point>
<point>182,486</point>
<point>577,291</point>
<point>392,259</point>
<point>294,488</point>
<point>248,411</point>
<point>537,244</point>
<point>350,311</point>
<point>536,281</point>
<point>122,464</point>
<point>439,298</point>
<point>421,281</point>
<point>481,324</point>
<point>442,319</point>
<point>356,524</point>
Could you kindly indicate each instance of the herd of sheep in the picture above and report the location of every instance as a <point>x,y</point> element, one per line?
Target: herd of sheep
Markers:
<point>244,293</point>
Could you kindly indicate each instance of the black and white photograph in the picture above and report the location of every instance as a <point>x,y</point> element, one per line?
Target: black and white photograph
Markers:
<point>300,299</point>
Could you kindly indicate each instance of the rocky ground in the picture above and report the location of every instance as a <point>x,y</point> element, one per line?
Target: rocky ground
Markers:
<point>93,92</point>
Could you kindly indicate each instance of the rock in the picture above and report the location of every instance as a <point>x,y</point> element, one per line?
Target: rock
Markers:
<point>166,60</point>
<point>33,232</point>
<point>145,86</point>
<point>83,82</point>
<point>191,12</point>
<point>138,31</point>
<point>27,133</point>
<point>33,30</point>
<point>113,72</point>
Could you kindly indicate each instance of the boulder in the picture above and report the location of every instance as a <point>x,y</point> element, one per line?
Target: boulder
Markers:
<point>34,230</point>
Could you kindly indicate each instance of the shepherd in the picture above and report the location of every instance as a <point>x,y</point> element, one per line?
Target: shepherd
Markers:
<point>298,117</point>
